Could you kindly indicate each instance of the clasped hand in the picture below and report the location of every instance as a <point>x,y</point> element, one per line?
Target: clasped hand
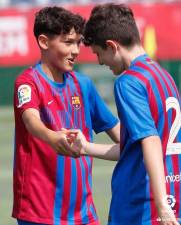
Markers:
<point>70,143</point>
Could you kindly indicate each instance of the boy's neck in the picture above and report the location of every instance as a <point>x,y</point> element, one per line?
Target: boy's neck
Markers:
<point>132,54</point>
<point>53,73</point>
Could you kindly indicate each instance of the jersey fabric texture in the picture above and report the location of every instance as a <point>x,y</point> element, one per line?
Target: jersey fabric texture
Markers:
<point>48,188</point>
<point>148,104</point>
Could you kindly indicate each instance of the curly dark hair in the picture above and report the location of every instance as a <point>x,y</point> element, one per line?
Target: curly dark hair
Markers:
<point>57,20</point>
<point>111,22</point>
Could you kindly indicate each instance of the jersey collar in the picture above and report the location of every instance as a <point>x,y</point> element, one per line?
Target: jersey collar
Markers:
<point>38,67</point>
<point>139,58</point>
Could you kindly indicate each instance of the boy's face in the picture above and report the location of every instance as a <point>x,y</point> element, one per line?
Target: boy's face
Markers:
<point>110,57</point>
<point>62,50</point>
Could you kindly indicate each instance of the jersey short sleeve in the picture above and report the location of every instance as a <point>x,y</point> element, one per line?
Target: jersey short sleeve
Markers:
<point>25,94</point>
<point>102,118</point>
<point>133,107</point>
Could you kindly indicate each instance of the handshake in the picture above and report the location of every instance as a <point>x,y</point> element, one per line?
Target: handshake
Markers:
<point>69,142</point>
<point>73,143</point>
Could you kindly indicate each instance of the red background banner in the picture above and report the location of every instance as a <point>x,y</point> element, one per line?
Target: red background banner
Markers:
<point>159,27</point>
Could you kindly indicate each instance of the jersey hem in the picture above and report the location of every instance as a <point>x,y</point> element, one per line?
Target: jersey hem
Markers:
<point>28,107</point>
<point>107,127</point>
<point>144,135</point>
<point>152,222</point>
<point>51,221</point>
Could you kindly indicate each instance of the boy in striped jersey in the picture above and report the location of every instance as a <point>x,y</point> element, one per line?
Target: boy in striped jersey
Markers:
<point>50,186</point>
<point>148,105</point>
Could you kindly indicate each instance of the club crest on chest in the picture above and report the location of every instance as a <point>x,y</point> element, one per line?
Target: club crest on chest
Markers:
<point>76,102</point>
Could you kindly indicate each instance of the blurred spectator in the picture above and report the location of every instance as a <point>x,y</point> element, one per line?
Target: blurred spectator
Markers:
<point>4,3</point>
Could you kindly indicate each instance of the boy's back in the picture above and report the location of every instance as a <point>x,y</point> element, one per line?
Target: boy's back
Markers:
<point>147,100</point>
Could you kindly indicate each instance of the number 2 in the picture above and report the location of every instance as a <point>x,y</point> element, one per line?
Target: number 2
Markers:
<point>174,148</point>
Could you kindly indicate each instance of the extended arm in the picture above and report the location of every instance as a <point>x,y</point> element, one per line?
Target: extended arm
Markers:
<point>57,140</point>
<point>101,151</point>
<point>153,158</point>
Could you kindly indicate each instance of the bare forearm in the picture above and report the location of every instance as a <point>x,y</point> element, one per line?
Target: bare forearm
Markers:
<point>152,152</point>
<point>153,157</point>
<point>101,151</point>
<point>34,126</point>
<point>56,139</point>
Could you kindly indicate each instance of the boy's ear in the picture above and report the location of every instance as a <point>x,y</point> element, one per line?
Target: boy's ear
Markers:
<point>112,44</point>
<point>43,41</point>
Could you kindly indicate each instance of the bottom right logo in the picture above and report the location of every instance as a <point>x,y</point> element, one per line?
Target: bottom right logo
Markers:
<point>171,201</point>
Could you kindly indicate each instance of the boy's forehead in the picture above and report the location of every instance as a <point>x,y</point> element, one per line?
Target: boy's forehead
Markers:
<point>72,31</point>
<point>72,34</point>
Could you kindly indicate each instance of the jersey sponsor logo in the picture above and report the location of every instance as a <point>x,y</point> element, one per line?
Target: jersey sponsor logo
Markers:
<point>24,94</point>
<point>172,178</point>
<point>76,102</point>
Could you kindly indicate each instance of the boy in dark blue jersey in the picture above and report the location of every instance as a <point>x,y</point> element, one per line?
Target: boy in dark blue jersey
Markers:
<point>146,180</point>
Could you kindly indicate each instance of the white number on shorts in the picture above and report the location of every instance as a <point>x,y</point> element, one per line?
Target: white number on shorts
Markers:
<point>174,148</point>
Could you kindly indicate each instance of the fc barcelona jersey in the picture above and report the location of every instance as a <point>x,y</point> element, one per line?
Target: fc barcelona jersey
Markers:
<point>49,188</point>
<point>148,104</point>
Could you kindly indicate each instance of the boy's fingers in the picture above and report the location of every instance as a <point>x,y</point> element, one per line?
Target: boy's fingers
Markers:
<point>68,145</point>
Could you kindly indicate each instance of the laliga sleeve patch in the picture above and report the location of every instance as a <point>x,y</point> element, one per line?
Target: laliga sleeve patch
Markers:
<point>24,94</point>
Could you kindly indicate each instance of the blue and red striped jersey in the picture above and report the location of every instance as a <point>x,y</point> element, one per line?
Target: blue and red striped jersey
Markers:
<point>148,104</point>
<point>49,188</point>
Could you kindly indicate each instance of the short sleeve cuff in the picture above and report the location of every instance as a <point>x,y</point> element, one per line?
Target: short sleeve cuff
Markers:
<point>144,134</point>
<point>107,126</point>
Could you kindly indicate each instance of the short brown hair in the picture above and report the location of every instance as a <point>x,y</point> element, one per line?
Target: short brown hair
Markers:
<point>57,20</point>
<point>111,22</point>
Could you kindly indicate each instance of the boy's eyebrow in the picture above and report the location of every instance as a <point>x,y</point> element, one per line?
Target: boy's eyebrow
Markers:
<point>73,39</point>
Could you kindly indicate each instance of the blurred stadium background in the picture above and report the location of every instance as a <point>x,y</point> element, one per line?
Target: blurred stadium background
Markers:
<point>159,24</point>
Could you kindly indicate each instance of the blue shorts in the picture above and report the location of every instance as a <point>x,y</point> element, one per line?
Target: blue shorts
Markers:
<point>22,222</point>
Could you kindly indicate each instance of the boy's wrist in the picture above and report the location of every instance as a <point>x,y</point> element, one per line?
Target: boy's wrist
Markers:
<point>86,147</point>
<point>162,203</point>
<point>51,136</point>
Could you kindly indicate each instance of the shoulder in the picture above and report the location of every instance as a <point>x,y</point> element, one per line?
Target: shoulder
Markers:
<point>127,86</point>
<point>82,78</point>
<point>130,78</point>
<point>25,77</point>
<point>85,82</point>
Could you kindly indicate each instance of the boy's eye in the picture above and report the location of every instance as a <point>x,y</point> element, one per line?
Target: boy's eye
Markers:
<point>69,42</point>
<point>73,42</point>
